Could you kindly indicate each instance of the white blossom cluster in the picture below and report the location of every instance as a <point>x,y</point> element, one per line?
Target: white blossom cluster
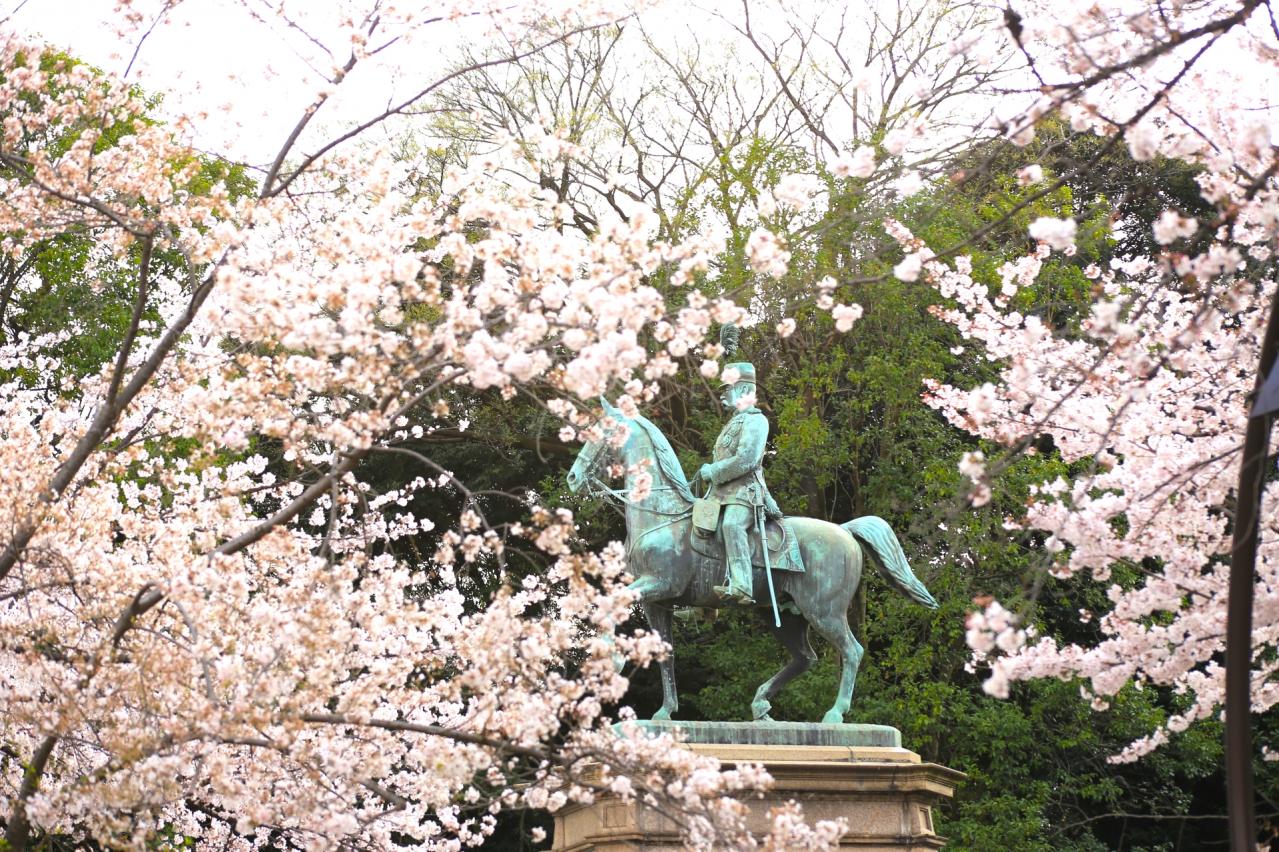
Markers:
<point>200,634</point>
<point>1155,395</point>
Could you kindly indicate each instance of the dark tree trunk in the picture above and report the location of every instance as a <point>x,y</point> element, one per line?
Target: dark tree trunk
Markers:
<point>1243,569</point>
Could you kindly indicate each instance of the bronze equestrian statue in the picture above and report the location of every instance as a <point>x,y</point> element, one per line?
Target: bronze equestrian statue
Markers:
<point>816,566</point>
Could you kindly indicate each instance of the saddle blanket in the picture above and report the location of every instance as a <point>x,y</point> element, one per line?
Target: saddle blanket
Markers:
<point>783,549</point>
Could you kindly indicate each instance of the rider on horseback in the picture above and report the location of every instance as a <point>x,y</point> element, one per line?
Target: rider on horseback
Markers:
<point>737,480</point>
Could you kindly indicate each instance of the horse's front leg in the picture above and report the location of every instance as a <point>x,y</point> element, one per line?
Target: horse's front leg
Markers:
<point>649,588</point>
<point>659,618</point>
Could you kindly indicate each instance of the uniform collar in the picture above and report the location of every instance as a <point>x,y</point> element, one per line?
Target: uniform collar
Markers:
<point>751,410</point>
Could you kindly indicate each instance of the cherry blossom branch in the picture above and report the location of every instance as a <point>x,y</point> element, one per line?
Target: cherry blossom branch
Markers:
<point>1174,40</point>
<point>315,490</point>
<point>1053,186</point>
<point>103,421</point>
<point>303,501</point>
<point>137,48</point>
<point>206,667</point>
<point>18,829</point>
<point>499,745</point>
<point>269,184</point>
<point>139,308</point>
<point>23,167</point>
<point>146,598</point>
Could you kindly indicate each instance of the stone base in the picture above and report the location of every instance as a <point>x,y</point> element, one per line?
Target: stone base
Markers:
<point>885,793</point>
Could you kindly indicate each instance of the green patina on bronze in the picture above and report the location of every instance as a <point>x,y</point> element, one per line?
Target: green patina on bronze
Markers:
<point>776,733</point>
<point>670,573</point>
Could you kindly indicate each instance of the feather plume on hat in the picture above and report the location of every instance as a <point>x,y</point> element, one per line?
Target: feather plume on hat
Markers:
<point>728,337</point>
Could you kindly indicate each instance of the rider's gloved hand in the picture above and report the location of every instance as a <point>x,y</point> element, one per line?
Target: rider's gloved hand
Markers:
<point>704,473</point>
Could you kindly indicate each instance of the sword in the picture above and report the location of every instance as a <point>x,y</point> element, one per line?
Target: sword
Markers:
<point>768,570</point>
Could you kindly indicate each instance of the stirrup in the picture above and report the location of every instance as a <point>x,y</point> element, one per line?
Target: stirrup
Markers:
<point>735,595</point>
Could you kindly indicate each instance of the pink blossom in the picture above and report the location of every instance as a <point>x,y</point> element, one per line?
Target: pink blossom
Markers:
<point>796,191</point>
<point>767,253</point>
<point>909,267</point>
<point>895,140</point>
<point>1171,226</point>
<point>1143,141</point>
<point>845,316</point>
<point>1031,174</point>
<point>909,183</point>
<point>1057,233</point>
<point>860,164</point>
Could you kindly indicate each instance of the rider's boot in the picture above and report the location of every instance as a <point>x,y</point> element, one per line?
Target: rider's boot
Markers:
<point>739,583</point>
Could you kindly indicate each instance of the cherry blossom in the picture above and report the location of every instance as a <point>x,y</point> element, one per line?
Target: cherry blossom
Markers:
<point>767,253</point>
<point>845,316</point>
<point>1154,394</point>
<point>1030,174</point>
<point>859,164</point>
<point>203,622</point>
<point>1157,393</point>
<point>1057,233</point>
<point>910,266</point>
<point>796,191</point>
<point>1171,226</point>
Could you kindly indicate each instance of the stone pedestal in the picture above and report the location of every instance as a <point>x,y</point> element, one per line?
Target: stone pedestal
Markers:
<point>884,792</point>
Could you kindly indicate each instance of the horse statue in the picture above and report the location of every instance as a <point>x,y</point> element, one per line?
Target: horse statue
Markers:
<point>671,572</point>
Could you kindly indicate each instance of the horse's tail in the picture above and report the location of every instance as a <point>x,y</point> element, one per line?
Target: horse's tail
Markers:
<point>886,553</point>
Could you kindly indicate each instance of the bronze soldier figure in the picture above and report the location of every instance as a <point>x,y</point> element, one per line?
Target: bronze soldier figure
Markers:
<point>736,478</point>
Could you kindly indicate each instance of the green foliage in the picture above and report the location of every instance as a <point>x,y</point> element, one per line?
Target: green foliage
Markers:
<point>70,291</point>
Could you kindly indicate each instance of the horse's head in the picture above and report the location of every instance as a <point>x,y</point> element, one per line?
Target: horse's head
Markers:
<point>597,455</point>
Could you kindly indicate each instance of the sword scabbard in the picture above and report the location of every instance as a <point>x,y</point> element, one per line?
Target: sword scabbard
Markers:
<point>768,569</point>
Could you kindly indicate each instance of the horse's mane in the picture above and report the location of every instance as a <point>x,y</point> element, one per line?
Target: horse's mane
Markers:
<point>666,460</point>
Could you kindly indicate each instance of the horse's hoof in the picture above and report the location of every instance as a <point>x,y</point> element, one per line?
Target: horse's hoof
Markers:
<point>759,710</point>
<point>833,717</point>
<point>662,715</point>
<point>766,718</point>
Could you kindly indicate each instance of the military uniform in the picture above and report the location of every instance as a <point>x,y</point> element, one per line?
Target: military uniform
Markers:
<point>737,481</point>
<point>737,470</point>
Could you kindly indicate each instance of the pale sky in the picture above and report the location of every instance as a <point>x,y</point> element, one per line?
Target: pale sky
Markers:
<point>187,62</point>
<point>210,56</point>
<point>253,80</point>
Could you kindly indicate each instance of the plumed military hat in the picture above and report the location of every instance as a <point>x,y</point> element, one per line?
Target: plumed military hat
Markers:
<point>745,373</point>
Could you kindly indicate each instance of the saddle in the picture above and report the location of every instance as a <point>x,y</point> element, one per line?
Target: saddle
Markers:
<point>783,548</point>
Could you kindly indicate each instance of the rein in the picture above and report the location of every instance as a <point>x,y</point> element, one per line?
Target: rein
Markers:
<point>672,517</point>
<point>598,486</point>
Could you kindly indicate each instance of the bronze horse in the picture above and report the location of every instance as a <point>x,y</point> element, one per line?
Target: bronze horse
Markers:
<point>669,573</point>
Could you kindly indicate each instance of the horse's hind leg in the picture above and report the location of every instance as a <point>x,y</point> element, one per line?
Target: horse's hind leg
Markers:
<point>834,627</point>
<point>794,635</point>
<point>659,618</point>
